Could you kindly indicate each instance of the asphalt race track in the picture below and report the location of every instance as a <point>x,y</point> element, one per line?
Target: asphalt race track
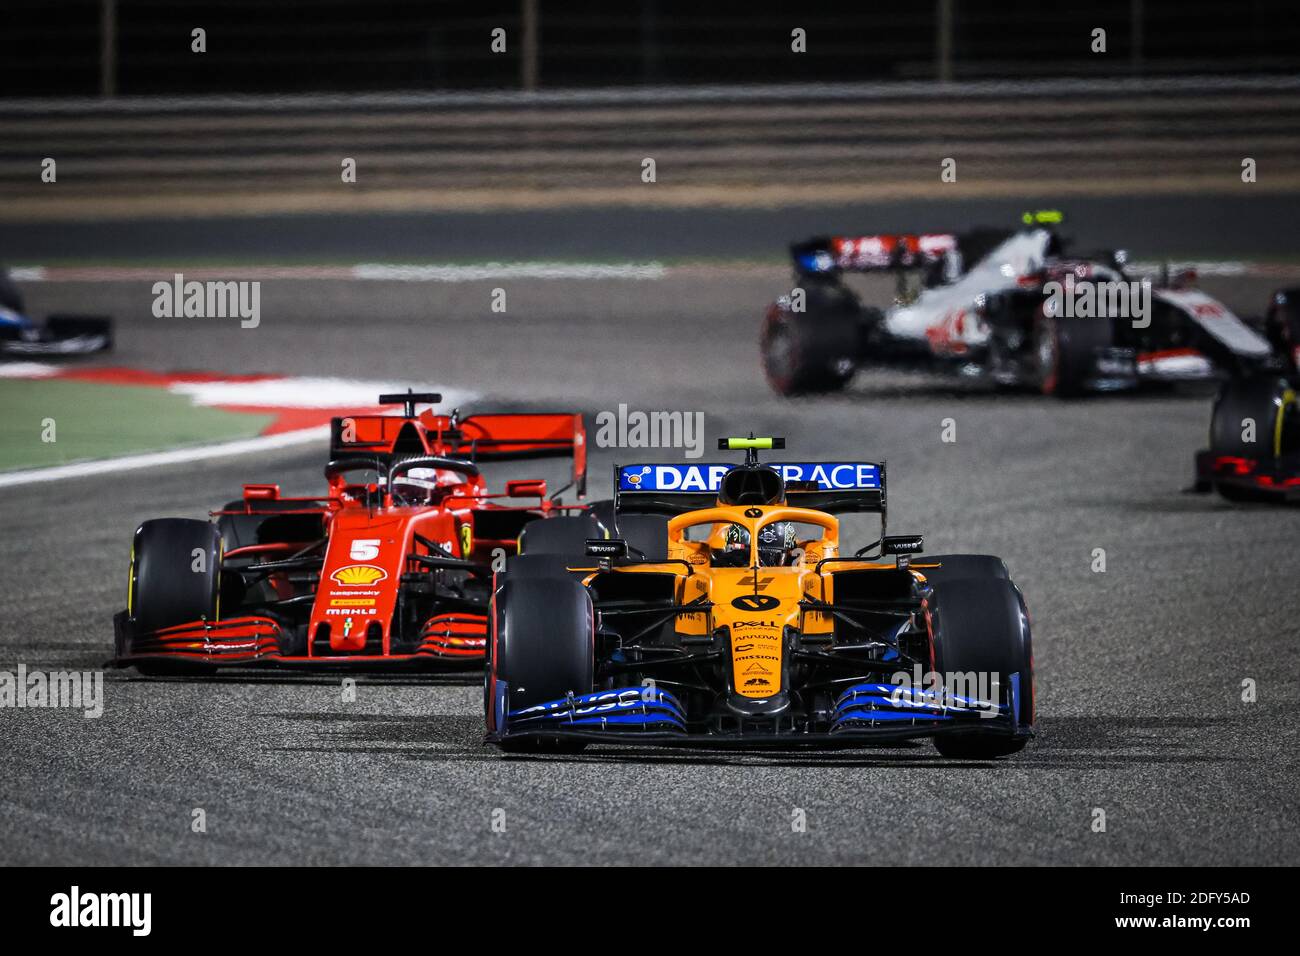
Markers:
<point>1139,668</point>
<point>1253,224</point>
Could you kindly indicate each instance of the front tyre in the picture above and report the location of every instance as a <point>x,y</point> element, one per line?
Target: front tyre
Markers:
<point>1250,418</point>
<point>980,626</point>
<point>174,579</point>
<point>175,569</point>
<point>1257,419</point>
<point>543,649</point>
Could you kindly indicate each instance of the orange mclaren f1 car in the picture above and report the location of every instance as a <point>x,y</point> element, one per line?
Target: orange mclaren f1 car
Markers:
<point>721,609</point>
<point>393,564</point>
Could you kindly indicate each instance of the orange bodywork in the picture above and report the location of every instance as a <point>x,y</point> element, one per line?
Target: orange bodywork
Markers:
<point>755,603</point>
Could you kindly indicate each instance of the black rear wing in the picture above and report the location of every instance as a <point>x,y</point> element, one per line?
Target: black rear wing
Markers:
<point>675,488</point>
<point>877,253</point>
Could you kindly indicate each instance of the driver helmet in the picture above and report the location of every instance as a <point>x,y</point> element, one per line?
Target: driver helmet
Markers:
<point>416,486</point>
<point>737,538</point>
<point>776,544</point>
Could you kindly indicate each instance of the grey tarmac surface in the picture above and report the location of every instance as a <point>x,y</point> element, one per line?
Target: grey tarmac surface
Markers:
<point>1139,668</point>
<point>1255,224</point>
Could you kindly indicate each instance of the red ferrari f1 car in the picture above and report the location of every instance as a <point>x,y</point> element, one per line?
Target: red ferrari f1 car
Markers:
<point>393,564</point>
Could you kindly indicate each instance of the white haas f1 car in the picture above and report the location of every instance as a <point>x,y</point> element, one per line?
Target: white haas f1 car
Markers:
<point>21,337</point>
<point>1011,307</point>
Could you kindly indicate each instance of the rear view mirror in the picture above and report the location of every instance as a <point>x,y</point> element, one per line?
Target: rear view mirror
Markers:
<point>606,548</point>
<point>902,544</point>
<point>526,488</point>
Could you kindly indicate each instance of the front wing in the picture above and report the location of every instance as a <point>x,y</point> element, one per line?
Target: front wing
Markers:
<point>60,335</point>
<point>1276,479</point>
<point>449,640</point>
<point>864,713</point>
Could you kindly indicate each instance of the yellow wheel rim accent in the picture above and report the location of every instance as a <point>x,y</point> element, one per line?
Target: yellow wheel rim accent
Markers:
<point>1288,398</point>
<point>130,585</point>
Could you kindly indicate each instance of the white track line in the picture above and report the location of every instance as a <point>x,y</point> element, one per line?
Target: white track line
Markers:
<point>28,370</point>
<point>527,270</point>
<point>510,270</point>
<point>282,393</point>
<point>85,469</point>
<point>364,271</point>
<point>305,392</point>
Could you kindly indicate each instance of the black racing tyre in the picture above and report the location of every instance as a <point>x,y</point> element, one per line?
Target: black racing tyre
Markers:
<point>1256,418</point>
<point>174,579</point>
<point>10,297</point>
<point>544,649</point>
<point>980,625</point>
<point>540,566</point>
<point>954,566</point>
<point>811,351</point>
<point>566,534</point>
<point>1065,351</point>
<point>1258,400</point>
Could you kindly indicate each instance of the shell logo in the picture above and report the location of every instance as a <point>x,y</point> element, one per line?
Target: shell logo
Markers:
<point>358,575</point>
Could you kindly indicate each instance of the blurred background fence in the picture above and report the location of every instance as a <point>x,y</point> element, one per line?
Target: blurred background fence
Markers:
<point>143,47</point>
<point>746,144</point>
<point>586,91</point>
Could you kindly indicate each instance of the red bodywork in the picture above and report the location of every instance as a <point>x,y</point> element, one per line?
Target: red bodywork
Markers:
<point>359,577</point>
<point>1267,478</point>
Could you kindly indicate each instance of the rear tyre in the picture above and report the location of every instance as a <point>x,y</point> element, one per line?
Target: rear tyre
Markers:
<point>980,625</point>
<point>1065,351</point>
<point>174,579</point>
<point>566,534</point>
<point>544,649</point>
<point>812,351</point>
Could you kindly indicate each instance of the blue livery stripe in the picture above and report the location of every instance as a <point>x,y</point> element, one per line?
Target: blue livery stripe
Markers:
<point>686,479</point>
